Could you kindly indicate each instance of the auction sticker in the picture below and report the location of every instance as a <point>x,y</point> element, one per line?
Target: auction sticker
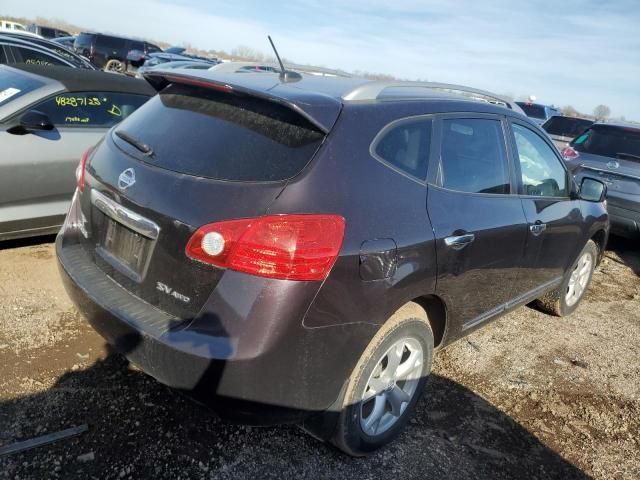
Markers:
<point>7,93</point>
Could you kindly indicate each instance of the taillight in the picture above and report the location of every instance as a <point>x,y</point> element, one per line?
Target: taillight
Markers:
<point>82,167</point>
<point>568,153</point>
<point>288,247</point>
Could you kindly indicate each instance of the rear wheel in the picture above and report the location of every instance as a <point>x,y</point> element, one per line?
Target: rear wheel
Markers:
<point>386,383</point>
<point>566,298</point>
<point>114,65</point>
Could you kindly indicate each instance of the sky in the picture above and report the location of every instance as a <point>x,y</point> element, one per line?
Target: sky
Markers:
<point>570,52</point>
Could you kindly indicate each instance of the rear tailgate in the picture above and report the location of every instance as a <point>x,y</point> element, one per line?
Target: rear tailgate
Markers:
<point>189,157</point>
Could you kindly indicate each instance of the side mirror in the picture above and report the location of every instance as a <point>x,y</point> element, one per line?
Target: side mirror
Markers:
<point>35,120</point>
<point>592,190</point>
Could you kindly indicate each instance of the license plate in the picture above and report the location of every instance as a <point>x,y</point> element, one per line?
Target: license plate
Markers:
<point>126,246</point>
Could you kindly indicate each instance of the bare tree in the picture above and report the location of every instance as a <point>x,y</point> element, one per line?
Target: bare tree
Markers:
<point>601,112</point>
<point>569,111</point>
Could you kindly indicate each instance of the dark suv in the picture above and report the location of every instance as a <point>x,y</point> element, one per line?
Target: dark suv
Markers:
<point>109,52</point>
<point>297,251</point>
<point>611,152</point>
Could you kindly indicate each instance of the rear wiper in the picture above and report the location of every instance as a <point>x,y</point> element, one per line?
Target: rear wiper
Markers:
<point>143,147</point>
<point>628,155</point>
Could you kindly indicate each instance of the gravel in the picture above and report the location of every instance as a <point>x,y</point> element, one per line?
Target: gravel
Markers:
<point>528,396</point>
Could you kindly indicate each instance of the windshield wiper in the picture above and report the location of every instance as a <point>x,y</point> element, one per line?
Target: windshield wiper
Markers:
<point>142,147</point>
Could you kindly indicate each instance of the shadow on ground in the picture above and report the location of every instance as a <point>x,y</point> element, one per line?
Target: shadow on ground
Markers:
<point>628,251</point>
<point>141,429</point>
<point>26,242</point>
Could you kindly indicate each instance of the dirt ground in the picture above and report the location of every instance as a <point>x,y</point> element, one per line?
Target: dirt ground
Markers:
<point>529,396</point>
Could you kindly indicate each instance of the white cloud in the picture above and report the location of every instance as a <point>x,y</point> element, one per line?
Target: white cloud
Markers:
<point>580,52</point>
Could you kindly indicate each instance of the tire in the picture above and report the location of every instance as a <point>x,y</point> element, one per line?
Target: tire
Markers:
<point>356,432</point>
<point>558,302</point>
<point>114,65</point>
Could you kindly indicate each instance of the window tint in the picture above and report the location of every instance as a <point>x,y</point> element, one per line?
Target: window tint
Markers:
<point>406,146</point>
<point>112,43</point>
<point>83,40</point>
<point>136,45</point>
<point>533,110</point>
<point>203,132</point>
<point>47,32</point>
<point>473,156</point>
<point>542,173</point>
<point>610,141</point>
<point>35,57</point>
<point>90,109</point>
<point>14,84</point>
<point>566,126</point>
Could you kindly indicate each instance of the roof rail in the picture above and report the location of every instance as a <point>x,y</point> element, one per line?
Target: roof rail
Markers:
<point>371,91</point>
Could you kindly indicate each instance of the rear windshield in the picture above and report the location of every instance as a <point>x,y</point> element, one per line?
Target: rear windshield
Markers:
<point>533,110</point>
<point>610,141</point>
<point>203,132</point>
<point>566,126</point>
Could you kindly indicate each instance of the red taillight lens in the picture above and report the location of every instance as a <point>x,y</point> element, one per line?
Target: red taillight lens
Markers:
<point>82,166</point>
<point>569,153</point>
<point>288,247</point>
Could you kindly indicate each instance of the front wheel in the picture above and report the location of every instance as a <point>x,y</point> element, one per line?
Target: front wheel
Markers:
<point>566,298</point>
<point>386,383</point>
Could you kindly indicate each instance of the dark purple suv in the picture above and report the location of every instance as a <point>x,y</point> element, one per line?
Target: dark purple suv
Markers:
<point>295,252</point>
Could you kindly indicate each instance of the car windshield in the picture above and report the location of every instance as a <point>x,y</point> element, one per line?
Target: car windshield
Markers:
<point>14,84</point>
<point>610,141</point>
<point>566,126</point>
<point>533,110</point>
<point>206,133</point>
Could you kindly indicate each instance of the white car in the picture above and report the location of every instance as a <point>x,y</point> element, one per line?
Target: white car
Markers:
<point>15,27</point>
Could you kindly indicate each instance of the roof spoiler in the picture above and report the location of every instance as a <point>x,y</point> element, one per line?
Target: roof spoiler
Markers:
<point>159,79</point>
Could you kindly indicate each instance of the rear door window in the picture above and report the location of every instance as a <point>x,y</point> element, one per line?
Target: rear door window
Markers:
<point>473,156</point>
<point>541,171</point>
<point>90,109</point>
<point>36,57</point>
<point>207,133</point>
<point>405,146</point>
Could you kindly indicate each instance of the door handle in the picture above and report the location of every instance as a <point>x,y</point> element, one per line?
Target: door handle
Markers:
<point>537,228</point>
<point>458,242</point>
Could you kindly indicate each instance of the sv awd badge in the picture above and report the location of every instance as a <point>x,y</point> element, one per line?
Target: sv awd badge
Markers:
<point>170,291</point>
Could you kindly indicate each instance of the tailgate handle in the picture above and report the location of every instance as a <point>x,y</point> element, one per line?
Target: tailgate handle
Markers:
<point>458,242</point>
<point>124,216</point>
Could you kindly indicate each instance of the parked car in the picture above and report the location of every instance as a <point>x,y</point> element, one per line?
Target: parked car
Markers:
<point>611,152</point>
<point>48,117</point>
<point>190,64</point>
<point>157,58</point>
<point>563,129</point>
<point>47,32</point>
<point>245,67</point>
<point>16,48</point>
<point>109,52</point>
<point>537,112</point>
<point>11,26</point>
<point>66,42</point>
<point>297,251</point>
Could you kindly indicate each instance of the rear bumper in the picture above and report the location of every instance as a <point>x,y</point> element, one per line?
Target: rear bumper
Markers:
<point>252,362</point>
